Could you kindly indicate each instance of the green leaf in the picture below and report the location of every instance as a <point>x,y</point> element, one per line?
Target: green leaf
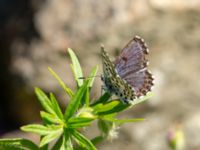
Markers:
<point>17,144</point>
<point>64,142</point>
<point>75,101</point>
<point>50,137</point>
<point>123,120</point>
<point>97,139</point>
<point>116,106</point>
<point>104,98</point>
<point>44,100</point>
<point>110,107</point>
<point>86,100</point>
<point>40,129</point>
<point>67,139</point>
<point>56,107</point>
<point>79,122</point>
<point>50,118</point>
<point>92,76</point>
<point>83,141</point>
<point>121,106</point>
<point>76,67</point>
<point>44,147</point>
<point>106,107</point>
<point>62,84</point>
<point>59,144</point>
<point>36,128</point>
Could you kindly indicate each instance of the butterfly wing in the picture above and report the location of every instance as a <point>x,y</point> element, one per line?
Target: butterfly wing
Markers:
<point>131,65</point>
<point>108,66</point>
<point>109,72</point>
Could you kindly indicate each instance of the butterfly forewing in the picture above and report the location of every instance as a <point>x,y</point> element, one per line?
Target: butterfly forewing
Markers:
<point>108,66</point>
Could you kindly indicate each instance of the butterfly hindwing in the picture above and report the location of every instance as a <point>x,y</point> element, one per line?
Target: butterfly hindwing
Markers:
<point>131,65</point>
<point>128,76</point>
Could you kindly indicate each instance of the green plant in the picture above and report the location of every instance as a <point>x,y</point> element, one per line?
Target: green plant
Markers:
<point>65,128</point>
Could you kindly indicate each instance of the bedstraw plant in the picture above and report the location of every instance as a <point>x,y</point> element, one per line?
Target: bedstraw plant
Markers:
<point>61,130</point>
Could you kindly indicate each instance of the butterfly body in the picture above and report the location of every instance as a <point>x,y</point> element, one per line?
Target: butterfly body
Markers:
<point>128,77</point>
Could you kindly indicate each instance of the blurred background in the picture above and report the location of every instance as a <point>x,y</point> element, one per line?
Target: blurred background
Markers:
<point>35,34</point>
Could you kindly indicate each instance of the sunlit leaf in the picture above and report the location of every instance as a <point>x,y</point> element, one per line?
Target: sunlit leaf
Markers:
<point>44,100</point>
<point>92,76</point>
<point>79,122</point>
<point>76,67</point>
<point>104,98</point>
<point>50,137</point>
<point>83,141</point>
<point>67,90</point>
<point>55,106</point>
<point>124,120</point>
<point>40,129</point>
<point>50,118</point>
<point>75,101</point>
<point>17,144</point>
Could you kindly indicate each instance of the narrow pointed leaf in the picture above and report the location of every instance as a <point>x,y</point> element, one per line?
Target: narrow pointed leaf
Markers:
<point>83,141</point>
<point>59,144</point>
<point>116,106</point>
<point>86,100</point>
<point>50,118</point>
<point>106,107</point>
<point>97,139</point>
<point>44,147</point>
<point>63,143</point>
<point>79,122</point>
<point>92,76</point>
<point>50,137</point>
<point>124,120</point>
<point>17,144</point>
<point>44,100</point>
<point>40,129</point>
<point>110,107</point>
<point>76,67</point>
<point>36,128</point>
<point>104,98</point>
<point>67,139</point>
<point>56,107</point>
<point>75,102</point>
<point>62,84</point>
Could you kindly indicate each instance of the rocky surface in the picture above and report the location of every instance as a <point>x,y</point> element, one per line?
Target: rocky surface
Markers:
<point>172,32</point>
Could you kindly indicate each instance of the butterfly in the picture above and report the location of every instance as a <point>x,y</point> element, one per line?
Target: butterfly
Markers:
<point>127,77</point>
